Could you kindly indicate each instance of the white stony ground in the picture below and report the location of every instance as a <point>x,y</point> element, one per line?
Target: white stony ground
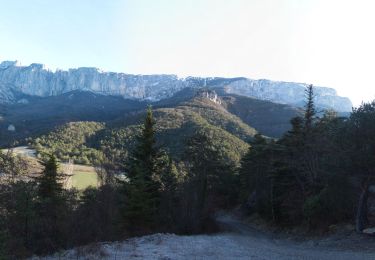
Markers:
<point>239,241</point>
<point>218,246</point>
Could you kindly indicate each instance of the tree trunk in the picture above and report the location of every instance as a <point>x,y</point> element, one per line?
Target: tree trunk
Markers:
<point>361,216</point>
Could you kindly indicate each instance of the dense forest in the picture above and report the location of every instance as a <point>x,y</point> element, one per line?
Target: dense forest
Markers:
<point>317,174</point>
<point>88,142</point>
<point>70,142</point>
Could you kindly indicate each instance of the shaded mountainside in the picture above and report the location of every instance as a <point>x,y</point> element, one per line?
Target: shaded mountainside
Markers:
<point>230,120</point>
<point>36,80</point>
<point>175,125</point>
<point>33,116</point>
<point>268,118</point>
<point>38,115</point>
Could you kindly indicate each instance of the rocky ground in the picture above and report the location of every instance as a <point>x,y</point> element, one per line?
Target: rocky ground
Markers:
<point>238,241</point>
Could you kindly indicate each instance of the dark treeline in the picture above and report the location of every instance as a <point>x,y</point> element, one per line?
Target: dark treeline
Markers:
<point>156,194</point>
<point>318,174</point>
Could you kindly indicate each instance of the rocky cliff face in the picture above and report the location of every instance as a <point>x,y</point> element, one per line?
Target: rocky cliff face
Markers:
<point>289,93</point>
<point>38,81</point>
<point>209,94</point>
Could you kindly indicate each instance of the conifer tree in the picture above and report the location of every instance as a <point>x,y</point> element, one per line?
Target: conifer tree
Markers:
<point>210,181</point>
<point>50,186</point>
<point>360,141</point>
<point>204,158</point>
<point>143,186</point>
<point>309,107</point>
<point>50,209</point>
<point>253,164</point>
<point>169,197</point>
<point>169,176</point>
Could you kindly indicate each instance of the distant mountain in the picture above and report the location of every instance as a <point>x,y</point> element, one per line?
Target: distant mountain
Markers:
<point>36,80</point>
<point>32,116</point>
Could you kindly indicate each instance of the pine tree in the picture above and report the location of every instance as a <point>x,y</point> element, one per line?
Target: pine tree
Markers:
<point>253,165</point>
<point>50,186</point>
<point>145,153</point>
<point>211,180</point>
<point>309,107</point>
<point>169,176</point>
<point>143,187</point>
<point>204,157</point>
<point>169,197</point>
<point>50,209</point>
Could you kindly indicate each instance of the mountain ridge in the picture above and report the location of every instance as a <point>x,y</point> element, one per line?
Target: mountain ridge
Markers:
<point>36,80</point>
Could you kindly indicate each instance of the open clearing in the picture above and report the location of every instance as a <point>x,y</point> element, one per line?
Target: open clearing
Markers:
<point>80,176</point>
<point>82,180</point>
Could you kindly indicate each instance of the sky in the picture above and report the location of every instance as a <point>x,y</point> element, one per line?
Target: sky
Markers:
<point>322,42</point>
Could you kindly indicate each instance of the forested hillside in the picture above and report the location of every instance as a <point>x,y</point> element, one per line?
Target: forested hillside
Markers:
<point>37,116</point>
<point>176,125</point>
<point>233,122</point>
<point>70,141</point>
<point>170,169</point>
<point>85,142</point>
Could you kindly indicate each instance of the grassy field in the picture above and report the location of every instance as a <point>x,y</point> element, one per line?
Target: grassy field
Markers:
<point>82,176</point>
<point>81,180</point>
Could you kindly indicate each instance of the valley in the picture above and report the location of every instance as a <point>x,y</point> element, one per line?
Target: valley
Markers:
<point>173,130</point>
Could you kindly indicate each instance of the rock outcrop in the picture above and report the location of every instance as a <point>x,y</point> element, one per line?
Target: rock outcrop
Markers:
<point>210,95</point>
<point>36,80</point>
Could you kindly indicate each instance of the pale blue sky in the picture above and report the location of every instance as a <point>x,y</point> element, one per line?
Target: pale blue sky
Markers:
<point>324,42</point>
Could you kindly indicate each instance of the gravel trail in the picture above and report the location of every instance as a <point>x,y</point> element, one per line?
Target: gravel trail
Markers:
<point>239,241</point>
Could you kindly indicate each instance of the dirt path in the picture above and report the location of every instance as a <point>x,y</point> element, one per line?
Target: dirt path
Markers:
<point>268,247</point>
<point>238,241</point>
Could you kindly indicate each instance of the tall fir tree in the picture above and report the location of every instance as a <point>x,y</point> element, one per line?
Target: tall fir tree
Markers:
<point>310,112</point>
<point>211,181</point>
<point>143,186</point>
<point>49,233</point>
<point>254,166</point>
<point>169,194</point>
<point>50,186</point>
